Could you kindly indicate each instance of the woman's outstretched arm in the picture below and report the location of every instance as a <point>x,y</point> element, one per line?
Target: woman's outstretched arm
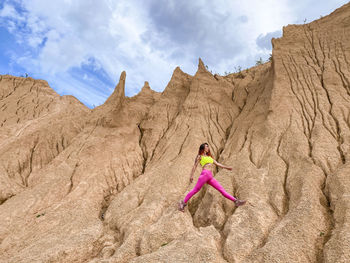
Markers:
<point>196,161</point>
<point>222,166</point>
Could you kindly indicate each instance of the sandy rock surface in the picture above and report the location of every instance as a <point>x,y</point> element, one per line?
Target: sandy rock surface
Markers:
<point>102,185</point>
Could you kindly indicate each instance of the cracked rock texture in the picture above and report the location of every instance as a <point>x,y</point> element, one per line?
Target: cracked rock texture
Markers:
<point>102,185</point>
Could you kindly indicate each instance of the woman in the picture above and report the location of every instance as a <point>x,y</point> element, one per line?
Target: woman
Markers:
<point>204,157</point>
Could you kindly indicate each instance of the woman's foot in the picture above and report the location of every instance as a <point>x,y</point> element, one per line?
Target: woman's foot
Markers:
<point>239,202</point>
<point>182,205</point>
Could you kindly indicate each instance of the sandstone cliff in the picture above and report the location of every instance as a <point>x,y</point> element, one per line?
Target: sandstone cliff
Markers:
<point>101,185</point>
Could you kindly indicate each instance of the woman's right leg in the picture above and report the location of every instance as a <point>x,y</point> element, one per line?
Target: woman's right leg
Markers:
<point>203,178</point>
<point>218,187</point>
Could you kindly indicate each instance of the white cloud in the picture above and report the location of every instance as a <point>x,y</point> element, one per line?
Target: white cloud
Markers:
<point>147,39</point>
<point>109,32</point>
<point>8,11</point>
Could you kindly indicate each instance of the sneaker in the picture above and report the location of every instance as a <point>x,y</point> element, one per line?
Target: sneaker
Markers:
<point>181,205</point>
<point>240,202</point>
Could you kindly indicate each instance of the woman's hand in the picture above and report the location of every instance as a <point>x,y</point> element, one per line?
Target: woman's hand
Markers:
<point>229,168</point>
<point>191,178</point>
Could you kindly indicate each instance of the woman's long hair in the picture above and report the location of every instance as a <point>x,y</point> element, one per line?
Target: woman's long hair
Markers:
<point>201,149</point>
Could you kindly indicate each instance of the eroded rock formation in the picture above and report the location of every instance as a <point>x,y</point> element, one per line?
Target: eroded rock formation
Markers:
<point>101,185</point>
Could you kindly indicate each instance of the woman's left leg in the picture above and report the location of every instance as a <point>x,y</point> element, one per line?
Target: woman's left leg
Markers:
<point>218,187</point>
<point>204,176</point>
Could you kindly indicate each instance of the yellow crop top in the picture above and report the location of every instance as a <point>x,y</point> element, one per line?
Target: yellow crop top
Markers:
<point>205,160</point>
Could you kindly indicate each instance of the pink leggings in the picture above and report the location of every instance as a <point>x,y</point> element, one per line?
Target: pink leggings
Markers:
<point>207,177</point>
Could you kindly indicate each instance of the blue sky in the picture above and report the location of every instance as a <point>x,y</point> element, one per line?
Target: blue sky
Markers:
<point>81,46</point>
